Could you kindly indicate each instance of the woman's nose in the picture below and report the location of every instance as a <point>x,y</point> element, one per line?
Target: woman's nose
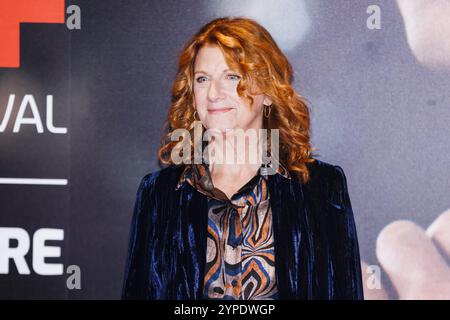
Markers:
<point>215,91</point>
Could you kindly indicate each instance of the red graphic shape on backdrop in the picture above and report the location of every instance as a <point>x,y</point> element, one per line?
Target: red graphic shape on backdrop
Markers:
<point>14,12</point>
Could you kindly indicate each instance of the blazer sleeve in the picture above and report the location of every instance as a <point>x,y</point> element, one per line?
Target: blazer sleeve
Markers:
<point>135,283</point>
<point>346,260</point>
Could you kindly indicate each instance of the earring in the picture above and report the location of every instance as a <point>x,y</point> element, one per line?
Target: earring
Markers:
<point>195,112</point>
<point>267,113</point>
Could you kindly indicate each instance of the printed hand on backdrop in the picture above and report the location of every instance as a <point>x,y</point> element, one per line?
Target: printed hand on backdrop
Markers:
<point>427,26</point>
<point>416,261</point>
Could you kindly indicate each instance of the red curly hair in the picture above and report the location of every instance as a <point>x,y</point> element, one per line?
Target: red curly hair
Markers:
<point>249,48</point>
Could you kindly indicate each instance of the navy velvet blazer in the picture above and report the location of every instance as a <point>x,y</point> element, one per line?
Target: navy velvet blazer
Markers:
<point>316,246</point>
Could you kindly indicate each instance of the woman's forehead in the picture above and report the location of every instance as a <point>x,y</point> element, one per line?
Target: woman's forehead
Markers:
<point>210,57</point>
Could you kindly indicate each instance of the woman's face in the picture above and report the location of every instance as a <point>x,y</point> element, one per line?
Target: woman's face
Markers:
<point>217,101</point>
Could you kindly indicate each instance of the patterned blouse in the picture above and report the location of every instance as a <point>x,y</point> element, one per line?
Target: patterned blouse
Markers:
<point>240,259</point>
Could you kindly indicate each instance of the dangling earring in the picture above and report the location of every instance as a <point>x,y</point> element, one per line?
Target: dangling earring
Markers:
<point>195,112</point>
<point>267,110</point>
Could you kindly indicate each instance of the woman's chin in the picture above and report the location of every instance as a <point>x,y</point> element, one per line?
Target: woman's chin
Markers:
<point>221,127</point>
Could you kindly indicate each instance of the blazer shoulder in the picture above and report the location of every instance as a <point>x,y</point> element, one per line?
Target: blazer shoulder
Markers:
<point>323,171</point>
<point>162,178</point>
<point>329,180</point>
<point>153,187</point>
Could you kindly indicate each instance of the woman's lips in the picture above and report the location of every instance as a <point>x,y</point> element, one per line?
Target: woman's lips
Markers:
<point>219,111</point>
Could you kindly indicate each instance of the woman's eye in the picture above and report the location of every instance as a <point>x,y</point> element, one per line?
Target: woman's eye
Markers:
<point>200,79</point>
<point>234,77</point>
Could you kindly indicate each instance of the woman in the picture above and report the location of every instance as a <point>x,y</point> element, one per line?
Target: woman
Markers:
<point>281,227</point>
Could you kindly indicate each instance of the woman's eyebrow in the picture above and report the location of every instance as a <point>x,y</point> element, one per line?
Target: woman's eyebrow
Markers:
<point>201,71</point>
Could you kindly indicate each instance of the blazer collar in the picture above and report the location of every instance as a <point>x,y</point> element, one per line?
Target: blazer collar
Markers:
<point>192,171</point>
<point>292,245</point>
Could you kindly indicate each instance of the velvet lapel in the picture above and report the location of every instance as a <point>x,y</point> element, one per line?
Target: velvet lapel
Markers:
<point>193,222</point>
<point>292,241</point>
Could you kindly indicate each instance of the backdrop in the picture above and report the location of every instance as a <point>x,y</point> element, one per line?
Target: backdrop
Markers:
<point>85,89</point>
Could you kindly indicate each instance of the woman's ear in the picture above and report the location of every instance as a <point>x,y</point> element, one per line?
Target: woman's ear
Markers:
<point>267,101</point>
